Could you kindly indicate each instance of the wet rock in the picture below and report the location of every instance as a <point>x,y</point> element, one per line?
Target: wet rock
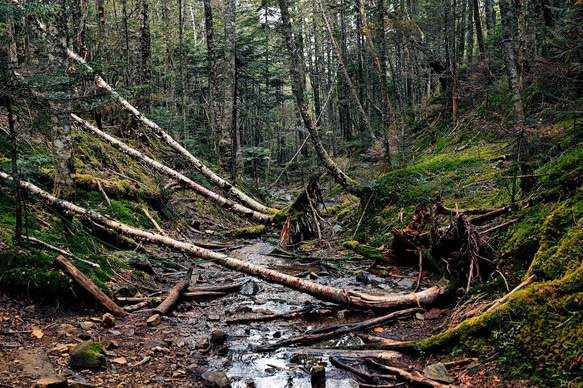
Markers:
<point>51,382</point>
<point>318,376</point>
<point>438,372</point>
<point>36,364</point>
<point>88,355</point>
<point>250,288</point>
<point>154,320</point>
<point>108,320</point>
<point>151,344</point>
<point>218,337</point>
<point>136,261</point>
<point>408,283</point>
<point>216,379</point>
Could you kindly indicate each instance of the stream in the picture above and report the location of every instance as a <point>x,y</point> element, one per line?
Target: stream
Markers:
<point>286,367</point>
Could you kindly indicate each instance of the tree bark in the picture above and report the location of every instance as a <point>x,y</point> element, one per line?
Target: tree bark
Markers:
<point>145,55</point>
<point>509,59</point>
<point>183,180</point>
<point>212,73</point>
<point>334,295</point>
<point>296,71</point>
<point>102,299</point>
<point>60,106</point>
<point>226,136</point>
<point>173,295</point>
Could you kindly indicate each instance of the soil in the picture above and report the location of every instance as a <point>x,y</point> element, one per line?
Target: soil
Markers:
<point>33,331</point>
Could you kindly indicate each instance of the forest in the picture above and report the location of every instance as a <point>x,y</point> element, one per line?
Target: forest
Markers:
<point>291,193</point>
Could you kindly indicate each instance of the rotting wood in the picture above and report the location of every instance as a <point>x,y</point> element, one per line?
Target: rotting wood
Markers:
<point>173,295</point>
<point>182,179</point>
<point>326,293</point>
<point>414,378</point>
<point>489,216</point>
<point>344,329</point>
<point>102,299</point>
<point>441,209</point>
<point>403,247</point>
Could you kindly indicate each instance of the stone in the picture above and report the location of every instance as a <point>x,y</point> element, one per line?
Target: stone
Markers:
<point>216,379</point>
<point>64,329</point>
<point>438,372</point>
<point>113,344</point>
<point>154,320</point>
<point>408,283</point>
<point>155,343</point>
<point>86,325</point>
<point>139,262</point>
<point>250,288</point>
<point>88,355</point>
<point>51,382</point>
<point>108,320</point>
<point>218,336</point>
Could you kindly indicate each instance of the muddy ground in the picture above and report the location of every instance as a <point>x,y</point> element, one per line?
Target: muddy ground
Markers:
<point>178,351</point>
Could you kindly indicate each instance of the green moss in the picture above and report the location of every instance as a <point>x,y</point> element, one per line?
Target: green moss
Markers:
<point>249,232</point>
<point>88,355</point>
<point>364,250</point>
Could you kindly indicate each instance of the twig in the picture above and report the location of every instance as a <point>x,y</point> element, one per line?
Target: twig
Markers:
<point>153,221</point>
<point>362,215</point>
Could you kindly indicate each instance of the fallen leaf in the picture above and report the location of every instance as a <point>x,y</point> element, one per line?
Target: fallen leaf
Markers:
<point>37,333</point>
<point>120,360</point>
<point>379,329</point>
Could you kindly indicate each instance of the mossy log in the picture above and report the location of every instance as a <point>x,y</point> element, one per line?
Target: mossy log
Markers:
<point>364,250</point>
<point>249,232</point>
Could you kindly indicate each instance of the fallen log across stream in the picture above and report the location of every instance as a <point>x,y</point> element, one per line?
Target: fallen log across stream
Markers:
<point>322,292</point>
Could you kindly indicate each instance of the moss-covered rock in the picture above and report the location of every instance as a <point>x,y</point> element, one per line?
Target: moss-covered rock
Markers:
<point>88,355</point>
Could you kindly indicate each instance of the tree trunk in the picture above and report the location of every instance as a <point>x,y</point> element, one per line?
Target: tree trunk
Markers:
<point>145,55</point>
<point>297,75</point>
<point>60,106</point>
<point>334,295</point>
<point>102,299</point>
<point>183,180</point>
<point>509,59</point>
<point>100,29</point>
<point>212,74</point>
<point>363,116</point>
<point>226,160</point>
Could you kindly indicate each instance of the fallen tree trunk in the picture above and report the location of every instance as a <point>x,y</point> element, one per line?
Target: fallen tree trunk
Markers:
<point>102,299</point>
<point>204,170</point>
<point>319,291</point>
<point>173,295</point>
<point>183,180</point>
<point>344,329</point>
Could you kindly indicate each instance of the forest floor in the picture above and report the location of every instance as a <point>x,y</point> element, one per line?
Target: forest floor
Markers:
<point>36,334</point>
